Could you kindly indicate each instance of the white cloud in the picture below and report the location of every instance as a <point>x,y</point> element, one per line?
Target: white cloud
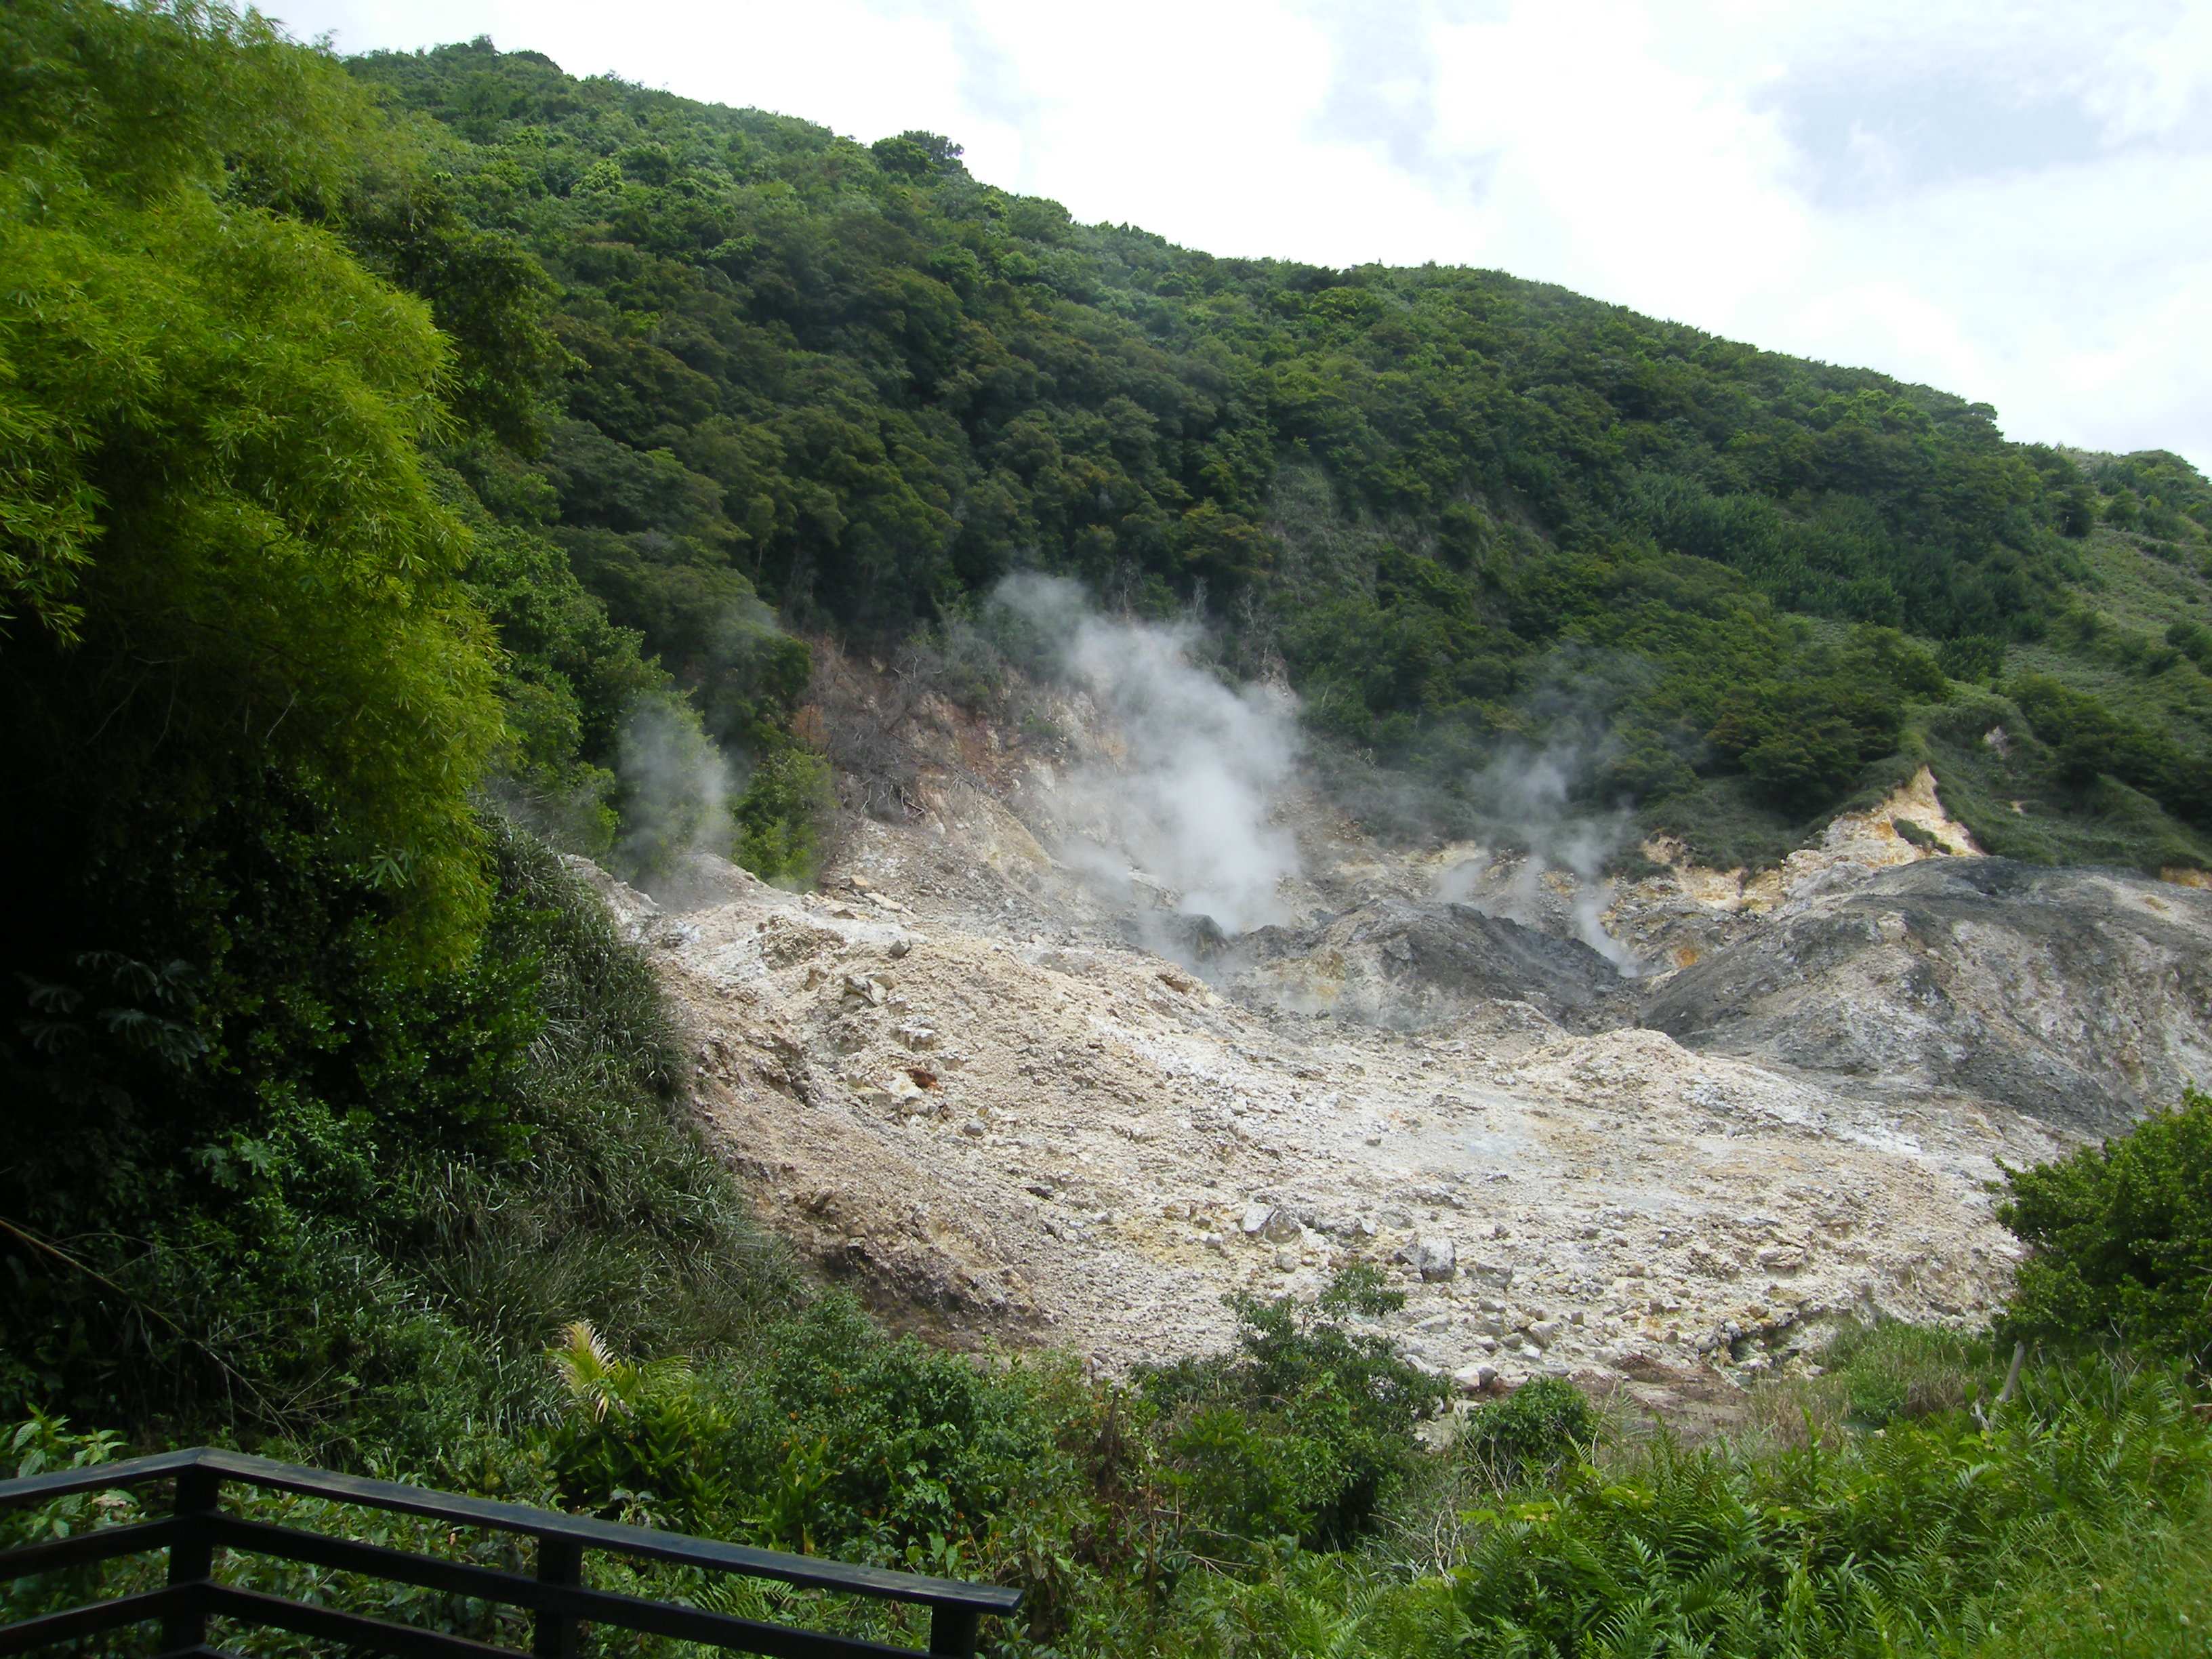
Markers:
<point>1987,195</point>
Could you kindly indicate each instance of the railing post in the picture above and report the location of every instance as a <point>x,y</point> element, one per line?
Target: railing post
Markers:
<point>953,1630</point>
<point>192,1556</point>
<point>560,1561</point>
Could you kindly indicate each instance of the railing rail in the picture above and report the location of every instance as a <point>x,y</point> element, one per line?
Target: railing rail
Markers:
<point>561,1602</point>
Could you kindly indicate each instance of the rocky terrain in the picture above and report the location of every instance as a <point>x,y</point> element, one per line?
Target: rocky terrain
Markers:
<point>2077,996</point>
<point>1017,1106</point>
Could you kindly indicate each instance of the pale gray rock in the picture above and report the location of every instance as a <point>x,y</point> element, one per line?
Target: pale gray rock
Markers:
<point>2082,996</point>
<point>1435,1258</point>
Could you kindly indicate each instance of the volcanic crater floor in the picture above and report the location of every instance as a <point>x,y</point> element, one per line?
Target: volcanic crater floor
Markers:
<point>951,1078</point>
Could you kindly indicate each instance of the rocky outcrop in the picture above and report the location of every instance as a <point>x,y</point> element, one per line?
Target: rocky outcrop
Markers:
<point>1405,965</point>
<point>2081,997</point>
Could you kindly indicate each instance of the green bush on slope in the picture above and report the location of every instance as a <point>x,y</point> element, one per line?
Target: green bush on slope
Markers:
<point>1530,1434</point>
<point>2122,1239</point>
<point>1302,1432</point>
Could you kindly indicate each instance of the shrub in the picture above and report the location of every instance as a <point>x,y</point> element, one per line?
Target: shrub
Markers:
<point>2122,1236</point>
<point>1301,1432</point>
<point>1977,657</point>
<point>1890,1372</point>
<point>786,816</point>
<point>1858,1545</point>
<point>631,1439</point>
<point>44,1445</point>
<point>854,1441</point>
<point>1530,1433</point>
<point>1917,835</point>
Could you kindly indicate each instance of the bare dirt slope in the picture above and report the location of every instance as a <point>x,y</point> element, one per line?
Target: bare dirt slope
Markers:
<point>957,1076</point>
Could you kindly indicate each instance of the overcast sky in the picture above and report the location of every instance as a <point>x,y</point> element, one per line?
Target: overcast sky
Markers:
<point>2013,201</point>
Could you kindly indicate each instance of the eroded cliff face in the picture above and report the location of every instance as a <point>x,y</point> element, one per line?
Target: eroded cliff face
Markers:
<point>1020,1104</point>
<point>2075,996</point>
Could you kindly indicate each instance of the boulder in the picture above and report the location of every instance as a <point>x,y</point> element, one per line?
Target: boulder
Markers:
<point>1435,1259</point>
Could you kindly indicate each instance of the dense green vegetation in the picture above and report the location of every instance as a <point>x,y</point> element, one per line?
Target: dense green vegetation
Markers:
<point>1277,1501</point>
<point>2124,1234</point>
<point>396,457</point>
<point>1457,509</point>
<point>709,376</point>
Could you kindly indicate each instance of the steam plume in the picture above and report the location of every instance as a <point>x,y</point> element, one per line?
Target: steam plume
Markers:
<point>1190,804</point>
<point>1528,796</point>
<point>676,786</point>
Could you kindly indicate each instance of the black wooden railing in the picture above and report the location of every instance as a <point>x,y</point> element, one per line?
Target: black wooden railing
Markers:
<point>197,1527</point>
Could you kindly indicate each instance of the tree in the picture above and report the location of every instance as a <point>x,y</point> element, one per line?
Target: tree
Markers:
<point>216,521</point>
<point>2121,1236</point>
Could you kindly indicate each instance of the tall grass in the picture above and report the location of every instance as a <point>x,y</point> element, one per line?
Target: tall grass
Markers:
<point>2073,1524</point>
<point>614,1211</point>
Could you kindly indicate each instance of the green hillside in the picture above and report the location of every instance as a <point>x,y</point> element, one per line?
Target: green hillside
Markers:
<point>1458,508</point>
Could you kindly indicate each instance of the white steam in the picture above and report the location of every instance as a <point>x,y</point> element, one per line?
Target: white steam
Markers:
<point>1528,795</point>
<point>677,786</point>
<point>1188,803</point>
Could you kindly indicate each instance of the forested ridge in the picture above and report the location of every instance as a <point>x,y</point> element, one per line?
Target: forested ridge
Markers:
<point>386,445</point>
<point>1440,499</point>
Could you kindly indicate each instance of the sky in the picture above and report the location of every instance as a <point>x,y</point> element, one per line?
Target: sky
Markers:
<point>2009,201</point>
